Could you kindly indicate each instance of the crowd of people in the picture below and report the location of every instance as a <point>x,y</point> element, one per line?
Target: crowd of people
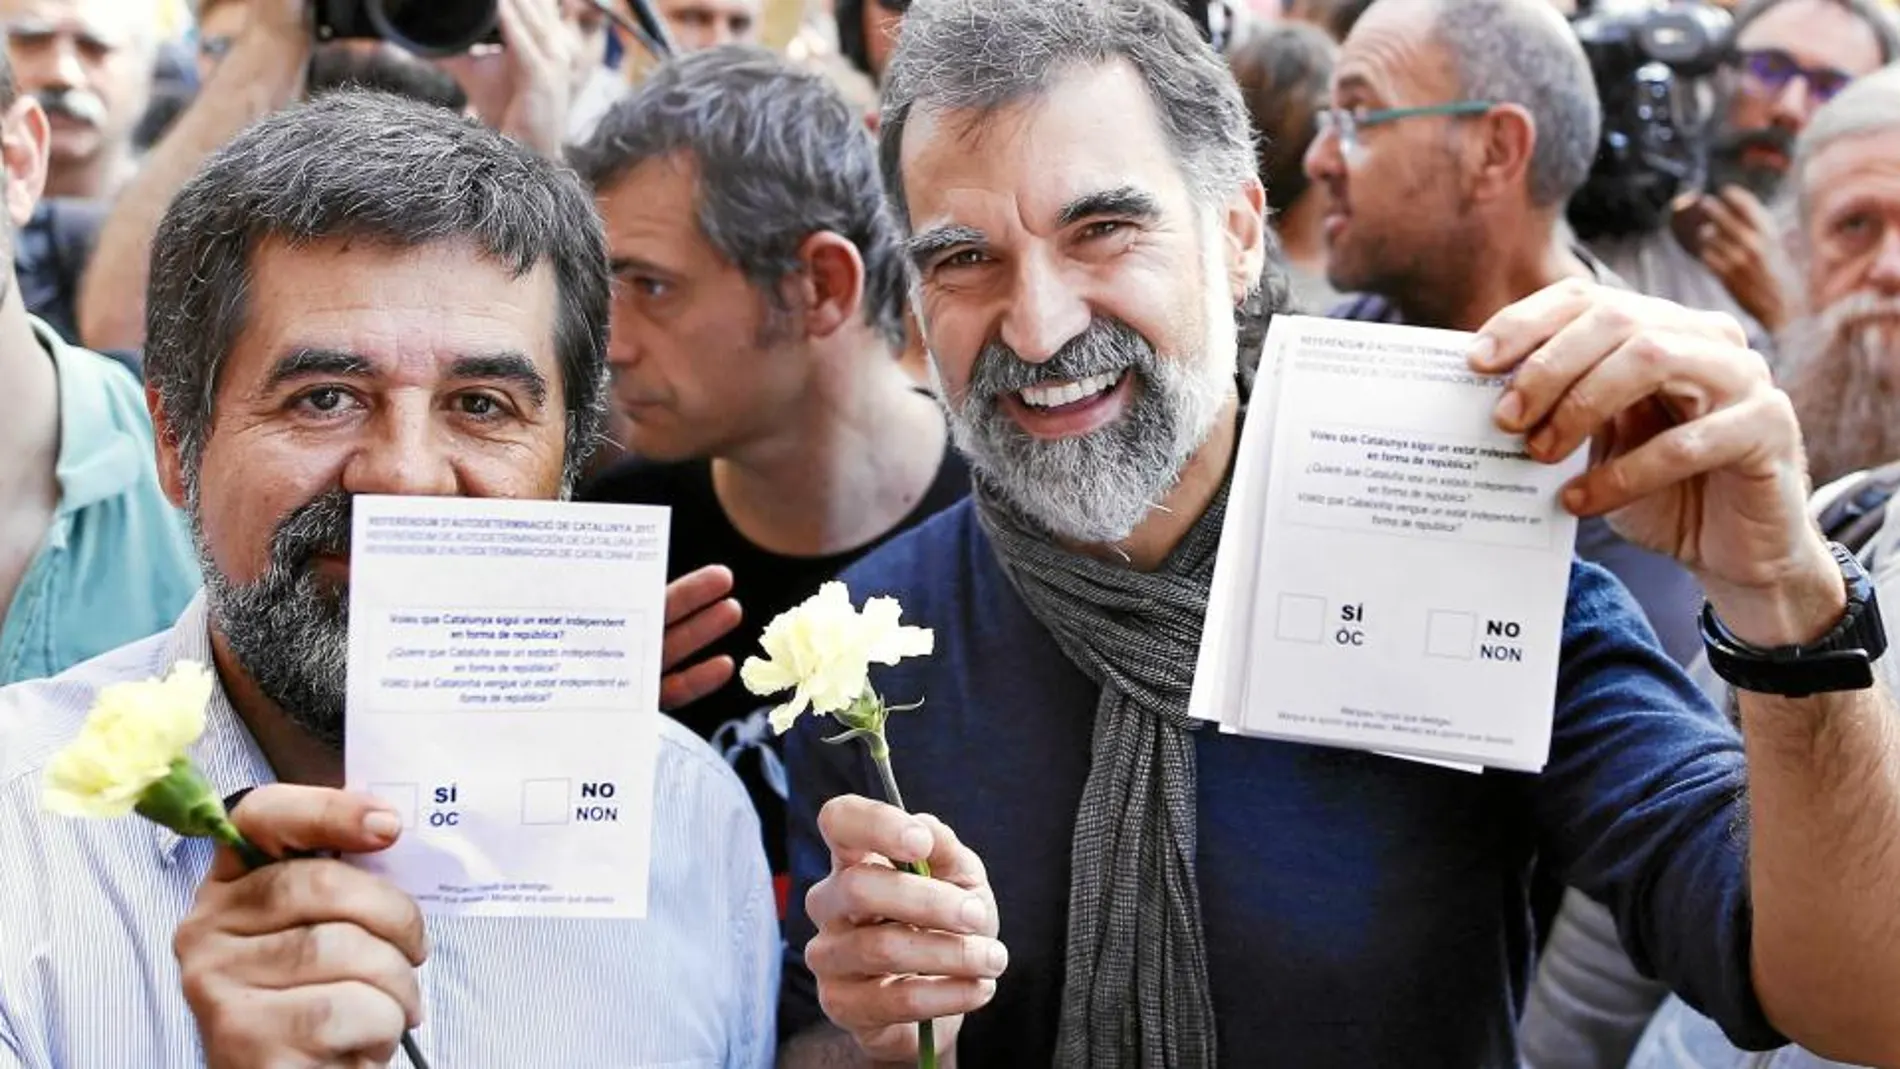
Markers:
<point>961,301</point>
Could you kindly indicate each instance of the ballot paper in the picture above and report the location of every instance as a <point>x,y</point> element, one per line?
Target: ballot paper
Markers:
<point>1393,570</point>
<point>504,673</point>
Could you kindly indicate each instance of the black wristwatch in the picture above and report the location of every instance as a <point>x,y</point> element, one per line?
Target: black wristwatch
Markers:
<point>1842,659</point>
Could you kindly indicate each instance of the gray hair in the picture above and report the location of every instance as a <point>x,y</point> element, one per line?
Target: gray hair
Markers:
<point>1522,52</point>
<point>780,157</point>
<point>1868,105</point>
<point>982,55</point>
<point>1879,22</point>
<point>381,168</point>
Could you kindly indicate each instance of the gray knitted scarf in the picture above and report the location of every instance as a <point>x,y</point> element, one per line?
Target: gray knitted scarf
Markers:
<point>1136,990</point>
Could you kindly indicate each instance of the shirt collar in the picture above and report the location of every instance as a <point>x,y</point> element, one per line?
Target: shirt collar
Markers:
<point>98,457</point>
<point>226,754</point>
<point>1600,272</point>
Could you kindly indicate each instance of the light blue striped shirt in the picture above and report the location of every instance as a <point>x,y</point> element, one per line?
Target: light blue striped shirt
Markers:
<point>88,910</point>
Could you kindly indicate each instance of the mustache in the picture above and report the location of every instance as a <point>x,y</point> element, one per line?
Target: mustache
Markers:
<point>1107,345</point>
<point>1732,143</point>
<point>1856,308</point>
<point>81,105</point>
<point>319,526</point>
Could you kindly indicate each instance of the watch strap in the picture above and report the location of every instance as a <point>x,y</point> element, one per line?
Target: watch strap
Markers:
<point>1840,660</point>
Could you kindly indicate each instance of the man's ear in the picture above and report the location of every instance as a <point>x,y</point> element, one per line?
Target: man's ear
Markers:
<point>1508,137</point>
<point>171,463</point>
<point>24,137</point>
<point>1244,224</point>
<point>829,285</point>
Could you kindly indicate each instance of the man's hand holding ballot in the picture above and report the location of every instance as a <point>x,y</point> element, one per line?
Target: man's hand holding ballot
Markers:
<point>1697,455</point>
<point>314,960</point>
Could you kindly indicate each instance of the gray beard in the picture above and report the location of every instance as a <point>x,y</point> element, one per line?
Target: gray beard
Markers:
<point>1843,375</point>
<point>1094,488</point>
<point>287,629</point>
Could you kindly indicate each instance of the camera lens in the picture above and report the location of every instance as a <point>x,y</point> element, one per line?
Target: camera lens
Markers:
<point>435,27</point>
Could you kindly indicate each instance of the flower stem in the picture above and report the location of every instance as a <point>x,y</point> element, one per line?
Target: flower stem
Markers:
<point>225,832</point>
<point>881,757</point>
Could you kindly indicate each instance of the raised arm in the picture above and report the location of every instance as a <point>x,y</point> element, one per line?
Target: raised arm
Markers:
<point>1699,456</point>
<point>263,72</point>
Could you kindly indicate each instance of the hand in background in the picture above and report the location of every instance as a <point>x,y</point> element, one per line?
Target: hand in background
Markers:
<point>1736,242</point>
<point>699,612</point>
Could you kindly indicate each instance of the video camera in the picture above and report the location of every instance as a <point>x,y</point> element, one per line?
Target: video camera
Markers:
<point>1649,68</point>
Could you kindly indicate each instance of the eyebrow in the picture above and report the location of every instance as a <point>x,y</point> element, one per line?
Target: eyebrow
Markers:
<point>1126,201</point>
<point>307,362</point>
<point>925,246</point>
<point>618,264</point>
<point>504,366</point>
<point>508,366</point>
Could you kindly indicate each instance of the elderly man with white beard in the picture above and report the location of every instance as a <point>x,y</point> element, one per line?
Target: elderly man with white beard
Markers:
<point>1841,361</point>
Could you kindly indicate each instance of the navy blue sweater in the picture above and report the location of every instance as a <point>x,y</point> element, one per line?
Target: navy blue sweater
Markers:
<point>1359,910</point>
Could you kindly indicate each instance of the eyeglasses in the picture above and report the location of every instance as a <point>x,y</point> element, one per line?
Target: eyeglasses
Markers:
<point>1772,70</point>
<point>1347,122</point>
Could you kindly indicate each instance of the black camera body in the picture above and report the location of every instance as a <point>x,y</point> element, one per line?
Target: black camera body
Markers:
<point>1648,67</point>
<point>427,28</point>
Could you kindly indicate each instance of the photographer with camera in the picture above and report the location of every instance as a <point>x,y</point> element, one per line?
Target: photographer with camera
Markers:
<point>265,70</point>
<point>1714,245</point>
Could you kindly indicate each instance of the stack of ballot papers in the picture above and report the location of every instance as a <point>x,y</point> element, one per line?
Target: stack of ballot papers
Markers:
<point>1394,568</point>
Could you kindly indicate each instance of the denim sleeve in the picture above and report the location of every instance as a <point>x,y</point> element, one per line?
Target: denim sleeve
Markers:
<point>1669,596</point>
<point>1643,806</point>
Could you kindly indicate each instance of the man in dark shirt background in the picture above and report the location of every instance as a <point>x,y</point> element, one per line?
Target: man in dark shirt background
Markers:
<point>757,322</point>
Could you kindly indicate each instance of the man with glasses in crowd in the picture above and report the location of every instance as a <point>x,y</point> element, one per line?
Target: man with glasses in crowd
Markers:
<point>1721,250</point>
<point>1449,157</point>
<point>1447,178</point>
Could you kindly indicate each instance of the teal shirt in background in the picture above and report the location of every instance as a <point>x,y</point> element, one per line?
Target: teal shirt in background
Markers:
<point>117,564</point>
